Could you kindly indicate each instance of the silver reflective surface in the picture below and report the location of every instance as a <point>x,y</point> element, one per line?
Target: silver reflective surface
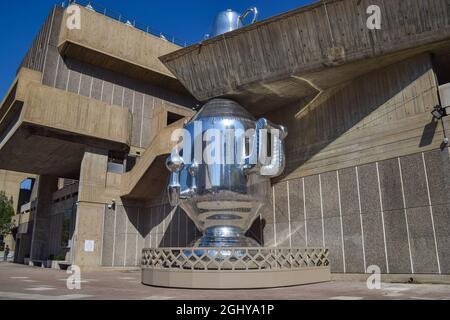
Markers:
<point>230,20</point>
<point>224,197</point>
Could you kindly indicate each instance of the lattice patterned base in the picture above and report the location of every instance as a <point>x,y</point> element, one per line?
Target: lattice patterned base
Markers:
<point>234,268</point>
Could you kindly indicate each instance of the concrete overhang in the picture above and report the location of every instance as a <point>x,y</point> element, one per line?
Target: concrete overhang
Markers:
<point>44,130</point>
<point>116,46</point>
<point>308,50</point>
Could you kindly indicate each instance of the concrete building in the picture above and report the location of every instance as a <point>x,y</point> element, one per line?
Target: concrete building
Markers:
<point>368,175</point>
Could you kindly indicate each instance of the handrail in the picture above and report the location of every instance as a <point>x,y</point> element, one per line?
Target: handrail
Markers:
<point>121,18</point>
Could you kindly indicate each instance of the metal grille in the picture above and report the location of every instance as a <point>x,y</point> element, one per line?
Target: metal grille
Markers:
<point>234,258</point>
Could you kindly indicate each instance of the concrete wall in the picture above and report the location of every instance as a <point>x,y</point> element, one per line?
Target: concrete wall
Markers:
<point>147,102</point>
<point>129,229</point>
<point>365,175</point>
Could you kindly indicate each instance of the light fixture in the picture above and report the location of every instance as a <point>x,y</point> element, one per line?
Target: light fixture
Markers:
<point>112,205</point>
<point>439,112</point>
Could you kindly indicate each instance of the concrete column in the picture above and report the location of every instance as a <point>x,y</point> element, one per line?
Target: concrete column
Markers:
<point>87,250</point>
<point>47,185</point>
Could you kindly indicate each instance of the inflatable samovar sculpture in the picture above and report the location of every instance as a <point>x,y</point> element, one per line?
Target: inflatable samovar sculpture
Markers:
<point>221,170</point>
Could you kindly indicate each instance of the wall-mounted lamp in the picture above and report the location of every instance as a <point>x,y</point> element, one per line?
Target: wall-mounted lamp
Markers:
<point>439,112</point>
<point>112,205</point>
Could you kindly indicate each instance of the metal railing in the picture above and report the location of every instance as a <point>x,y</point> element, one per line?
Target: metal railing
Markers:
<point>126,20</point>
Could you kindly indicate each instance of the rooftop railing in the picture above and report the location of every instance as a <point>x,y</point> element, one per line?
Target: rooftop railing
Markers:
<point>126,20</point>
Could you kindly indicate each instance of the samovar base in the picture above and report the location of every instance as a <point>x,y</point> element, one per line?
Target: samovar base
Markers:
<point>224,236</point>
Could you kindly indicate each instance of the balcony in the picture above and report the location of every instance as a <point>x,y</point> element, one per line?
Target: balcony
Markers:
<point>119,47</point>
<point>44,130</point>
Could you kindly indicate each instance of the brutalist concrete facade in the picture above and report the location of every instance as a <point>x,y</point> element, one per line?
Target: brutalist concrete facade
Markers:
<point>366,174</point>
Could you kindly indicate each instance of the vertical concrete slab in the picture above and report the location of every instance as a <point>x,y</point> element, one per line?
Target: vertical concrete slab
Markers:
<point>314,220</point>
<point>333,241</point>
<point>414,181</point>
<point>423,248</point>
<point>397,242</point>
<point>349,192</point>
<point>296,203</point>
<point>131,214</point>
<point>108,238</point>
<point>368,184</point>
<point>438,167</point>
<point>62,75</point>
<point>391,190</point>
<point>47,185</point>
<point>330,195</point>
<point>282,219</point>
<point>90,215</point>
<point>441,214</point>
<point>353,244</point>
<point>374,241</point>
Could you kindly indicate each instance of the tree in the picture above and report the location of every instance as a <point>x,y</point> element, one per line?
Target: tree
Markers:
<point>6,214</point>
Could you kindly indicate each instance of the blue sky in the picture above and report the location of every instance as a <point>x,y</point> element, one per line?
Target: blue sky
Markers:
<point>187,20</point>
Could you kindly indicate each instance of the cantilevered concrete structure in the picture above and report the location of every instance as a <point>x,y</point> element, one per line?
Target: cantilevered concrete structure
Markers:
<point>367,174</point>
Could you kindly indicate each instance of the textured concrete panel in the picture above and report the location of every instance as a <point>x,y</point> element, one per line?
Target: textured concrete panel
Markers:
<point>368,184</point>
<point>397,242</point>
<point>315,232</point>
<point>107,250</point>
<point>128,99</point>
<point>441,216</point>
<point>267,211</point>
<point>107,92</point>
<point>298,235</point>
<point>119,250</point>
<point>330,194</point>
<point>49,76</point>
<point>117,95</point>
<point>333,241</point>
<point>438,168</point>
<point>423,247</point>
<point>296,200</point>
<point>121,220</point>
<point>269,235</point>
<point>74,81</point>
<point>62,75</point>
<point>137,119</point>
<point>132,216</point>
<point>96,92</point>
<point>349,191</point>
<point>414,181</point>
<point>281,203</point>
<point>149,102</point>
<point>283,235</point>
<point>131,251</point>
<point>391,189</point>
<point>373,240</point>
<point>354,257</point>
<point>312,197</point>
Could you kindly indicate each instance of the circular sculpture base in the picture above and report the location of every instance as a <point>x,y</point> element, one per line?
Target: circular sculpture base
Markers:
<point>234,268</point>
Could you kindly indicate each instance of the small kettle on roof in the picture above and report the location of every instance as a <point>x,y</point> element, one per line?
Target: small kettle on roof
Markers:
<point>230,20</point>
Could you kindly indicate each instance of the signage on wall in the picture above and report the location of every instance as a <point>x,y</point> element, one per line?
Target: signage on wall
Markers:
<point>89,245</point>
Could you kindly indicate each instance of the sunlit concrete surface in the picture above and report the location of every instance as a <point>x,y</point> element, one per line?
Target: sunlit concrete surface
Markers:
<point>33,283</point>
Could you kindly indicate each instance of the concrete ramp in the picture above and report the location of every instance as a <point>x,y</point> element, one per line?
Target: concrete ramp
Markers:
<point>149,177</point>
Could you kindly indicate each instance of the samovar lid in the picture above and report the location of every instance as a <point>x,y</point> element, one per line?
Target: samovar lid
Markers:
<point>223,108</point>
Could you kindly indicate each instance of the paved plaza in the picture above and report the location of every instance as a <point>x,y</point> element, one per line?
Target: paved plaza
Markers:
<point>34,283</point>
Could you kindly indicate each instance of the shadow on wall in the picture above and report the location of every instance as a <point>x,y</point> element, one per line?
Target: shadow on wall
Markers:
<point>102,77</point>
<point>316,122</point>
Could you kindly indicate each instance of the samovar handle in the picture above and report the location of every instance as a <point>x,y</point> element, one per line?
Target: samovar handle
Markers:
<point>253,10</point>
